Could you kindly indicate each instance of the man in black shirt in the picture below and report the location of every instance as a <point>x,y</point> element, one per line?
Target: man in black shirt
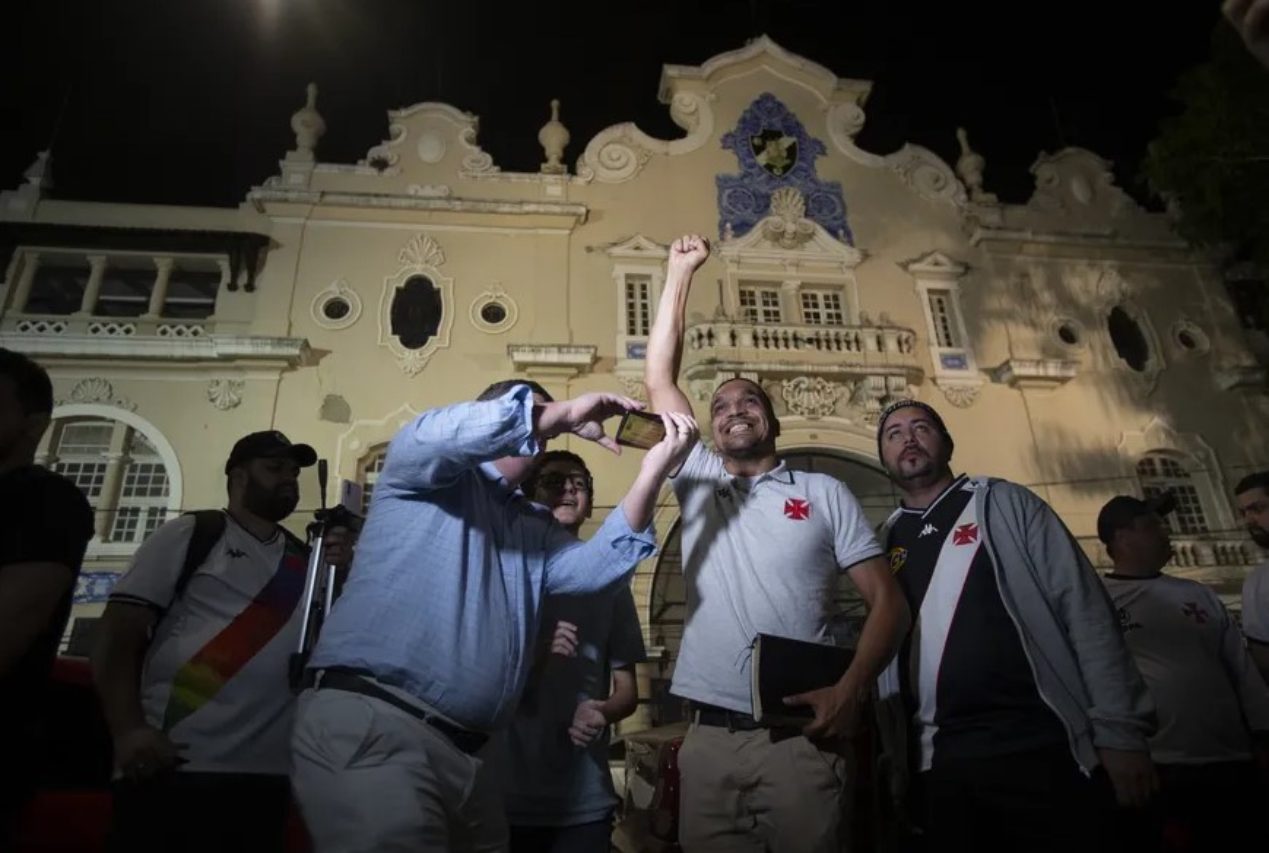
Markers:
<point>1015,680</point>
<point>45,525</point>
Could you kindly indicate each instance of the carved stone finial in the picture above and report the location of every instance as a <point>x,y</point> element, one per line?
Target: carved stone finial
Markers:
<point>308,124</point>
<point>970,166</point>
<point>554,137</point>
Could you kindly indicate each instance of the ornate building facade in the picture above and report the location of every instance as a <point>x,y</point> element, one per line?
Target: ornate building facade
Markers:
<point>1073,343</point>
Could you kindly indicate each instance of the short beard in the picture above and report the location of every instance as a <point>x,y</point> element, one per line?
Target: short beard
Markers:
<point>1259,535</point>
<point>758,450</point>
<point>266,504</point>
<point>926,475</point>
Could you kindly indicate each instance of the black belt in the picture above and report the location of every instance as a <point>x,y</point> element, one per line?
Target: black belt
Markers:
<point>354,682</point>
<point>735,721</point>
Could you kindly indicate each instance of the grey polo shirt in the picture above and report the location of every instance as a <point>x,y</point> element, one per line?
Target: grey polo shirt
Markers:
<point>759,555</point>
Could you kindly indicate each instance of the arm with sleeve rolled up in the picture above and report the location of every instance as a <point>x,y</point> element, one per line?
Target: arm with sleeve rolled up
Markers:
<point>665,339</point>
<point>626,536</point>
<point>436,447</point>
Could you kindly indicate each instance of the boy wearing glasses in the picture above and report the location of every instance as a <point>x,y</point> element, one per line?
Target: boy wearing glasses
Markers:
<point>558,791</point>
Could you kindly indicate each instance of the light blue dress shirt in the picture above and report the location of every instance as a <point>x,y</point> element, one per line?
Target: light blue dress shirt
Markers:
<point>444,593</point>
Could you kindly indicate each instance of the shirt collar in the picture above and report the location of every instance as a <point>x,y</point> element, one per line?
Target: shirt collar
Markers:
<point>780,472</point>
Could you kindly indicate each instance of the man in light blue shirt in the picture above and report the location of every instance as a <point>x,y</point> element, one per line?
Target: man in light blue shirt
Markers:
<point>428,649</point>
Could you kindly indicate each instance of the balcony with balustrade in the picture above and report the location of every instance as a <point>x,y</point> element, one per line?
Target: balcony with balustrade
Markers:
<point>785,347</point>
<point>1219,560</point>
<point>117,301</point>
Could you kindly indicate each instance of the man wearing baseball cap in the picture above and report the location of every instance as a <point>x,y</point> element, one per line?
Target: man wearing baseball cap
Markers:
<point>191,663</point>
<point>1213,705</point>
<point>1014,686</point>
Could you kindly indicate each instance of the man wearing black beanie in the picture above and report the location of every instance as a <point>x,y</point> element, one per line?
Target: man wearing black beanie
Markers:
<point>1014,692</point>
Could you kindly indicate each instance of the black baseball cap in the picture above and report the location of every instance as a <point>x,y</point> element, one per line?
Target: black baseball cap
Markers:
<point>1121,510</point>
<point>267,445</point>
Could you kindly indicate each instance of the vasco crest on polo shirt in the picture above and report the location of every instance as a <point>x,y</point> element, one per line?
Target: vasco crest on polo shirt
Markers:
<point>797,509</point>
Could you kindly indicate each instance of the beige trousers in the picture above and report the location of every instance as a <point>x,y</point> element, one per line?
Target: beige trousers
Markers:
<point>370,777</point>
<point>758,792</point>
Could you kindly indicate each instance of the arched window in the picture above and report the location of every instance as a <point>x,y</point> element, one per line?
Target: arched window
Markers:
<point>368,474</point>
<point>118,469</point>
<point>1163,473</point>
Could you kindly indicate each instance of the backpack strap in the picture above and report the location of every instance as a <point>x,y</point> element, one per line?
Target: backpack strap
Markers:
<point>209,527</point>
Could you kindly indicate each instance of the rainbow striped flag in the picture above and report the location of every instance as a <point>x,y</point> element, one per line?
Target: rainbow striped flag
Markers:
<point>210,669</point>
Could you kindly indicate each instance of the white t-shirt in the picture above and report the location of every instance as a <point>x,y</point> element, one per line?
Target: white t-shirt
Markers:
<point>1256,604</point>
<point>215,674</point>
<point>1193,659</point>
<point>760,555</point>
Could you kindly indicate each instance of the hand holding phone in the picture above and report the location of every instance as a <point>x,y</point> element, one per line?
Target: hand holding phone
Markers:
<point>640,429</point>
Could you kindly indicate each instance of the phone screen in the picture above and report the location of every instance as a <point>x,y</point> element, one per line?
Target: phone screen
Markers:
<point>639,429</point>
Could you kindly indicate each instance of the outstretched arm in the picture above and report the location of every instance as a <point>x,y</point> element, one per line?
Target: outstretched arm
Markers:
<point>665,342</point>
<point>434,449</point>
<point>574,567</point>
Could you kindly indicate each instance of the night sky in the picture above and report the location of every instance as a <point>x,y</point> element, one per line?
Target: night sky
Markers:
<point>189,101</point>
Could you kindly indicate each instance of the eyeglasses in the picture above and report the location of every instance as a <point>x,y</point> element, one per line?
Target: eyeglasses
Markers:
<point>556,482</point>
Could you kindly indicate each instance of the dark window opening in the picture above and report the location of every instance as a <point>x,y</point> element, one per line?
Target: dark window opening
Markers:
<point>57,289</point>
<point>1187,340</point>
<point>191,294</point>
<point>493,313</point>
<point>124,292</point>
<point>1128,338</point>
<point>336,308</point>
<point>416,312</point>
<point>1068,333</point>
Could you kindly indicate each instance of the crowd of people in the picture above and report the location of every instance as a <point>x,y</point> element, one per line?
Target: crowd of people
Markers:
<point>462,690</point>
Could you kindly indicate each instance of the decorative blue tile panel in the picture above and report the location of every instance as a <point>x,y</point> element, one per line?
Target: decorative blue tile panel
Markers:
<point>636,349</point>
<point>775,151</point>
<point>94,586</point>
<point>954,361</point>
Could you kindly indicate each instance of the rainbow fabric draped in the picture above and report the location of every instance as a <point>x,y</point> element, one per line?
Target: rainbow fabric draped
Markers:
<point>211,668</point>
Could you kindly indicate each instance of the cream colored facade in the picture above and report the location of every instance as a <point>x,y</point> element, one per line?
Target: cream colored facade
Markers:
<point>840,279</point>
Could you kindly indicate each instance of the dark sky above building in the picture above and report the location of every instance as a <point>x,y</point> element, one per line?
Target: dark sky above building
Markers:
<point>189,101</point>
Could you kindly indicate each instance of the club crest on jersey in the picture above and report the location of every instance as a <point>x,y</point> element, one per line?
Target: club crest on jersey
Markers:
<point>1198,614</point>
<point>898,556</point>
<point>1126,622</point>
<point>797,509</point>
<point>966,534</point>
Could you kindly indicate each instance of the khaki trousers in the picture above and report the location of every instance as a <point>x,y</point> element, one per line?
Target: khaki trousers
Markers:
<point>370,777</point>
<point>760,792</point>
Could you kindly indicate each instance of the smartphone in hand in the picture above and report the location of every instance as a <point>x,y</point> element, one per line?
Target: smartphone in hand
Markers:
<point>640,429</point>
